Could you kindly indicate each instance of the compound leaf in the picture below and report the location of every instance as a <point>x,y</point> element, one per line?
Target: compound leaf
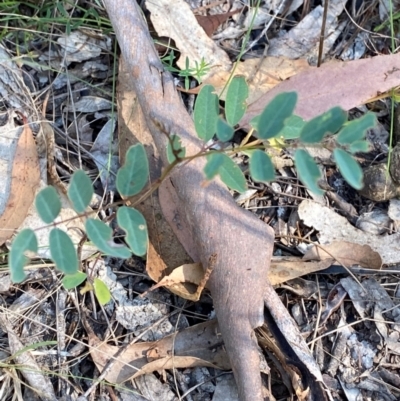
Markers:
<point>135,226</point>
<point>214,162</point>
<point>63,252</point>
<point>328,122</point>
<point>206,113</point>
<point>133,175</point>
<point>25,241</point>
<point>235,101</point>
<point>174,147</point>
<point>101,236</point>
<point>70,281</point>
<point>80,191</point>
<point>102,292</point>
<point>231,174</point>
<point>224,130</point>
<point>355,130</point>
<point>48,204</point>
<point>349,168</point>
<point>272,119</point>
<point>261,167</point>
<point>308,171</point>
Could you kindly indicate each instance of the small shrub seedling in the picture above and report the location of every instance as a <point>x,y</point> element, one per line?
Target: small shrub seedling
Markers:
<point>276,121</point>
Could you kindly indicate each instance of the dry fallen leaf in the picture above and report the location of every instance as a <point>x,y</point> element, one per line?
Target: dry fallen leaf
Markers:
<point>174,19</point>
<point>211,22</point>
<point>333,227</point>
<point>19,174</point>
<point>198,345</point>
<point>346,253</point>
<point>261,74</point>
<point>334,84</point>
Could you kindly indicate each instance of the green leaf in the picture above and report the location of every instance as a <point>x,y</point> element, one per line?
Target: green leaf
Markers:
<point>135,226</point>
<point>214,162</point>
<point>261,167</point>
<point>292,128</point>
<point>272,118</point>
<point>80,191</point>
<point>102,292</point>
<point>355,130</point>
<point>224,130</point>
<point>175,148</point>
<point>63,252</point>
<point>329,122</point>
<point>133,175</point>
<point>349,168</point>
<point>231,175</point>
<point>70,281</point>
<point>101,236</point>
<point>359,146</point>
<point>206,113</point>
<point>48,204</point>
<point>25,241</point>
<point>308,171</point>
<point>235,101</point>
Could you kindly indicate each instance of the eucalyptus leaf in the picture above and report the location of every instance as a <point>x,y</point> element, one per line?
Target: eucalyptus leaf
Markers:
<point>48,204</point>
<point>80,191</point>
<point>349,168</point>
<point>206,113</point>
<point>308,171</point>
<point>235,101</point>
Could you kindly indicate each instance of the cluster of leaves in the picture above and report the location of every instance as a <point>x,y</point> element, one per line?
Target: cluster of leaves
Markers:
<point>131,179</point>
<point>276,121</point>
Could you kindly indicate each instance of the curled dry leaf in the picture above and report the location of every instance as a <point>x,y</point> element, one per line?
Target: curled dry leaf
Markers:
<point>211,22</point>
<point>19,173</point>
<point>199,345</point>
